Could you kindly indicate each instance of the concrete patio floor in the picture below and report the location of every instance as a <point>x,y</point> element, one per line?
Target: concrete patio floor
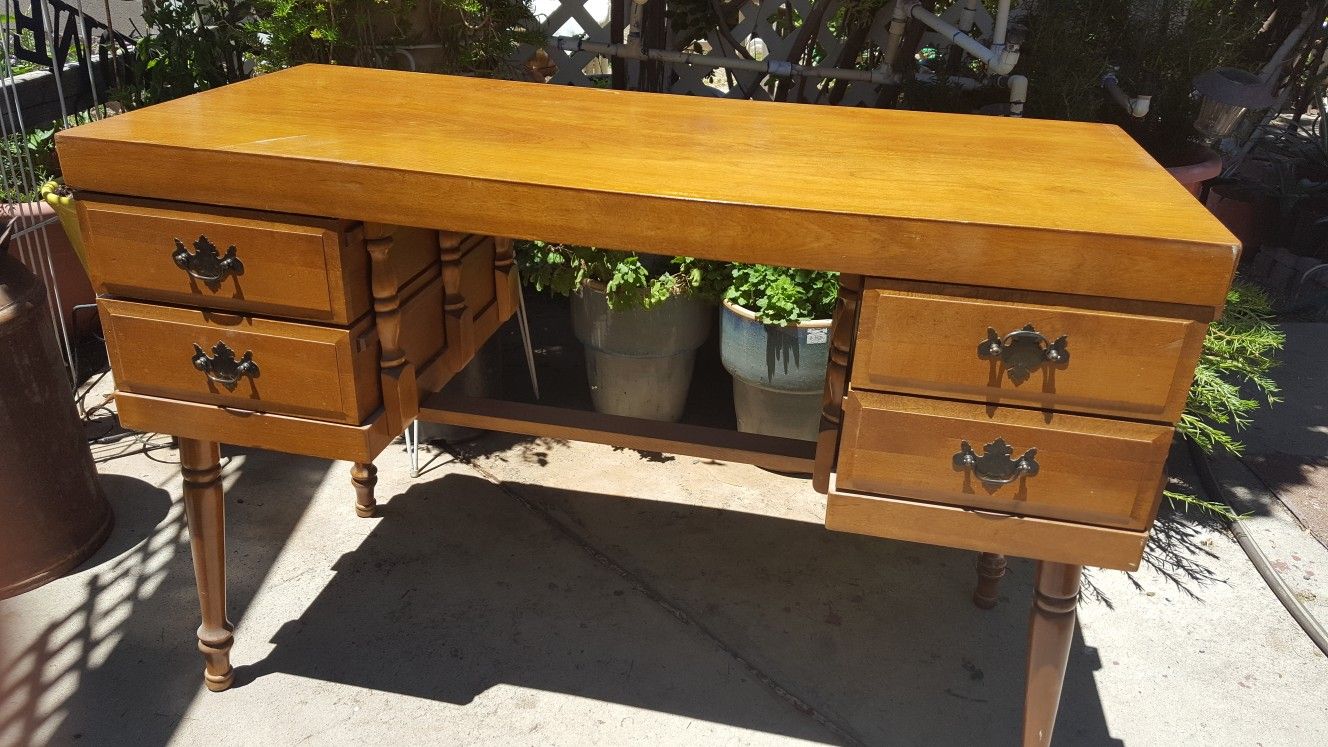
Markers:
<point>515,593</point>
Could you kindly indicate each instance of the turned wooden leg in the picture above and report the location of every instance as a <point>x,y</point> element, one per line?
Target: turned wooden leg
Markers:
<point>364,476</point>
<point>200,464</point>
<point>1050,631</point>
<point>991,568</point>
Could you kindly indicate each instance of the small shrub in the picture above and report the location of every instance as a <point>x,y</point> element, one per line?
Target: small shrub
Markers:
<point>630,280</point>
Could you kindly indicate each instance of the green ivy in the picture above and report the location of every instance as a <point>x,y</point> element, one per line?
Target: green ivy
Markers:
<point>783,295</point>
<point>630,280</point>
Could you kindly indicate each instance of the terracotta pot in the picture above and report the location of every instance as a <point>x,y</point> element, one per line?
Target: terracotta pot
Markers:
<point>1192,165</point>
<point>1245,213</point>
<point>71,279</point>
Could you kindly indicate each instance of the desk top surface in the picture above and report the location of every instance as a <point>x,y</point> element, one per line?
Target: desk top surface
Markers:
<point>366,140</point>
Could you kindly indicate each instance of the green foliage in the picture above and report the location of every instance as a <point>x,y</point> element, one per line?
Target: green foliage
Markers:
<point>474,37</point>
<point>290,32</point>
<point>30,159</point>
<point>1158,47</point>
<point>783,295</point>
<point>191,45</point>
<point>630,280</point>
<point>1232,379</point>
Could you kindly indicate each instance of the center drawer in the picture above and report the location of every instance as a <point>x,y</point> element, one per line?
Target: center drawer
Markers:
<point>1033,354</point>
<point>1011,460</point>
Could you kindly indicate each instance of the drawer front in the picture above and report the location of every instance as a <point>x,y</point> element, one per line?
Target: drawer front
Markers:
<point>303,370</point>
<point>1123,365</point>
<point>288,266</point>
<point>1088,470</point>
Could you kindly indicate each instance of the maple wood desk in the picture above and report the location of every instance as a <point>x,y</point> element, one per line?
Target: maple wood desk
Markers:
<point>298,261</point>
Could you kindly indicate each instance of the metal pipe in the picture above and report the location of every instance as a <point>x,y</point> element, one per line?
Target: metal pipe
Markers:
<point>1274,65</point>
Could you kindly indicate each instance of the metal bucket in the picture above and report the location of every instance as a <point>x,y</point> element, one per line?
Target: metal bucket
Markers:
<point>639,361</point>
<point>778,372</point>
<point>55,513</point>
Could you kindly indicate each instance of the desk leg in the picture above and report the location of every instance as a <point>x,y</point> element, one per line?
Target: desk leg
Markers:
<point>991,568</point>
<point>200,465</point>
<point>1050,631</point>
<point>364,476</point>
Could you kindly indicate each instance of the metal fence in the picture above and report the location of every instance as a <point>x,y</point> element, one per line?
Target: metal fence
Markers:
<point>59,62</point>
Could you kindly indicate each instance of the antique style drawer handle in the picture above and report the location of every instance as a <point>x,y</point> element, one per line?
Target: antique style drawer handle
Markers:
<point>1023,350</point>
<point>995,467</point>
<point>222,367</point>
<point>205,263</point>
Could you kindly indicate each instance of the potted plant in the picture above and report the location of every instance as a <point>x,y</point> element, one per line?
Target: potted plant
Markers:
<point>31,157</point>
<point>774,338</point>
<point>640,317</point>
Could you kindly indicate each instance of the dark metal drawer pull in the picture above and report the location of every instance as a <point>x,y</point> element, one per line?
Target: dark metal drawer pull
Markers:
<point>222,367</point>
<point>1023,351</point>
<point>205,263</point>
<point>995,467</point>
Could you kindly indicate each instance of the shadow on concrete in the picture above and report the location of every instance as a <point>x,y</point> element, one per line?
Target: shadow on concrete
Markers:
<point>113,655</point>
<point>467,594</point>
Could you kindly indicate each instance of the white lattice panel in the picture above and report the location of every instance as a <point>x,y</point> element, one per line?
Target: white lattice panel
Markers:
<point>756,21</point>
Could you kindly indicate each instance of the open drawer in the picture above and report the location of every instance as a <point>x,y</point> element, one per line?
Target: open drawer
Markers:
<point>1004,459</point>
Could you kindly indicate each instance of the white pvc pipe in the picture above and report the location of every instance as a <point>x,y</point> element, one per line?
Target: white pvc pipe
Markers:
<point>998,29</point>
<point>894,34</point>
<point>956,37</point>
<point>768,66</point>
<point>1135,106</point>
<point>967,14</point>
<point>998,62</point>
<point>1018,85</point>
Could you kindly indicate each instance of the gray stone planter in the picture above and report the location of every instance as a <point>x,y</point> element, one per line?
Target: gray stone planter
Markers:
<point>778,372</point>
<point>639,361</point>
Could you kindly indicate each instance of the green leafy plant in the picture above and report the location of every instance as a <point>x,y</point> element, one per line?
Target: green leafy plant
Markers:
<point>630,280</point>
<point>1232,380</point>
<point>468,37</point>
<point>191,45</point>
<point>783,295</point>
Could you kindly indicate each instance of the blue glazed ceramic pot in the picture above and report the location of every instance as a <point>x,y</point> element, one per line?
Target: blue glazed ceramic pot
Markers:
<point>778,372</point>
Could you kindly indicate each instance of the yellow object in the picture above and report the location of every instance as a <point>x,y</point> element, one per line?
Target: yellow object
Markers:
<point>62,200</point>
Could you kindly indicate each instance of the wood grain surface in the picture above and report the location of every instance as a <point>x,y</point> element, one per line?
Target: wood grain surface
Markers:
<point>260,430</point>
<point>1008,534</point>
<point>1018,203</point>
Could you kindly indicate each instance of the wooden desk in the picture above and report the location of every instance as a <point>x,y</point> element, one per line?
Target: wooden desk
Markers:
<point>299,261</point>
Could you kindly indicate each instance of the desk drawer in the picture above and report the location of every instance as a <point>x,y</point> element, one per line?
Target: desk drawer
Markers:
<point>1123,365</point>
<point>305,370</point>
<point>1088,470</point>
<point>307,268</point>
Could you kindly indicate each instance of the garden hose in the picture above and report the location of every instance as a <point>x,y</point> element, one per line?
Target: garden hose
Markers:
<point>1299,612</point>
